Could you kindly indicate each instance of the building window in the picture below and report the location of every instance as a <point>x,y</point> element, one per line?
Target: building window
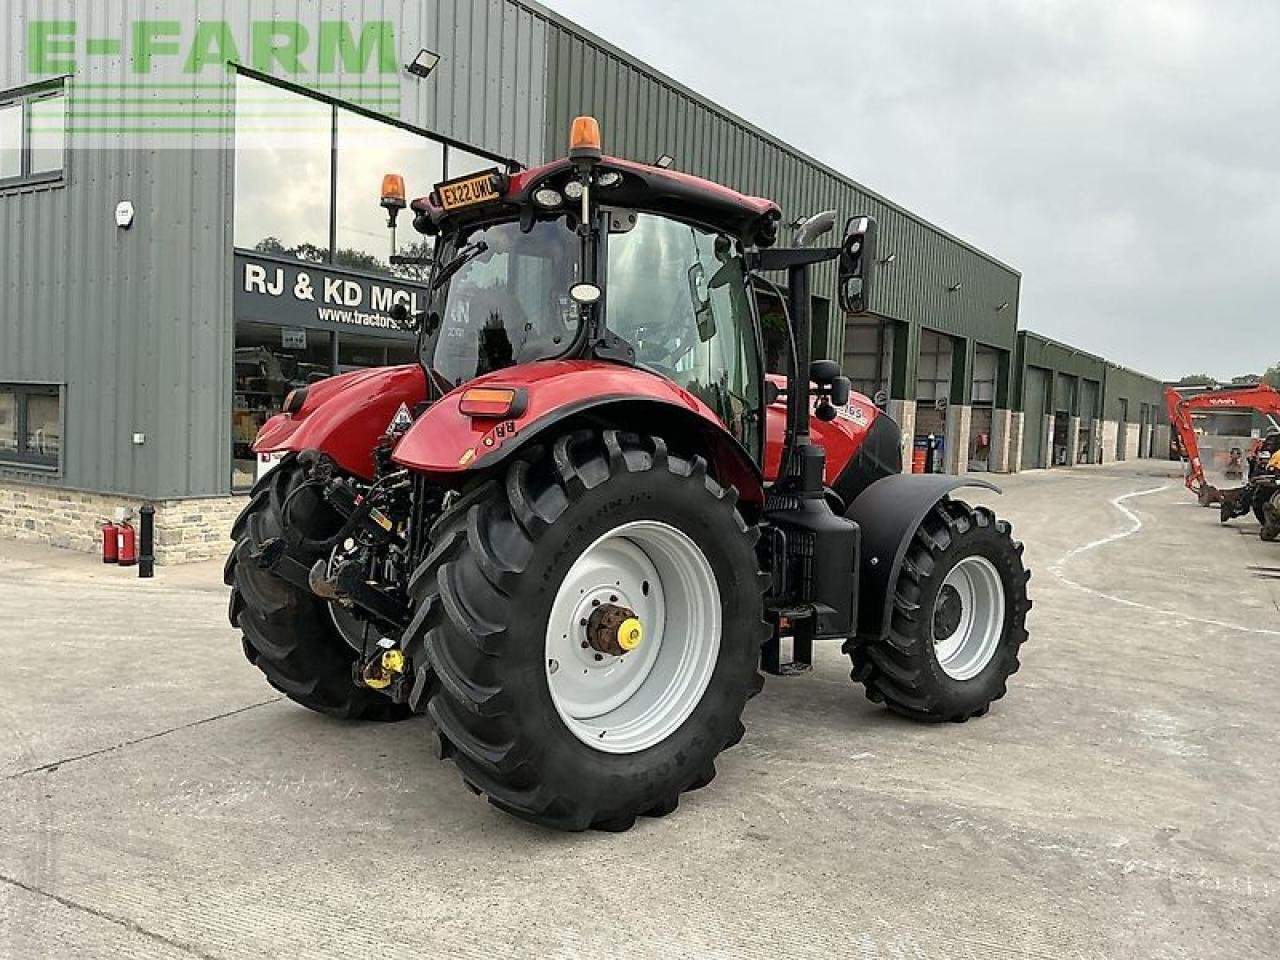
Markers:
<point>309,178</point>
<point>269,362</point>
<point>282,180</point>
<point>33,133</point>
<point>30,425</point>
<point>367,149</point>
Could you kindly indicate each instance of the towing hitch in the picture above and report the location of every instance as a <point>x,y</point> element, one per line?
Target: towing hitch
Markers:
<point>349,588</point>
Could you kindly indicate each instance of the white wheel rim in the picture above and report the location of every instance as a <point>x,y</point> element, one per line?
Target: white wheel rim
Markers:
<point>964,649</point>
<point>630,702</point>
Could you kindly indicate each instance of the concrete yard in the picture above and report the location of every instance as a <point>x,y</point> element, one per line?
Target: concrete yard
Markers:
<point>158,800</point>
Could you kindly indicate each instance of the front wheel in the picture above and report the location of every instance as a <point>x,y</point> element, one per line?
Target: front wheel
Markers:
<point>958,620</point>
<point>588,630</point>
<point>291,635</point>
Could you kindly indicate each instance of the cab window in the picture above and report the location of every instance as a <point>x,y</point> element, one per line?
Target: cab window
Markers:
<point>677,293</point>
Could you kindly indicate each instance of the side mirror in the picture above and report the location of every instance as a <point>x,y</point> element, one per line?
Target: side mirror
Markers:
<point>857,257</point>
<point>700,294</point>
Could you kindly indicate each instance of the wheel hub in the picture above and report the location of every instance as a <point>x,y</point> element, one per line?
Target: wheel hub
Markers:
<point>946,615</point>
<point>968,618</point>
<point>614,630</point>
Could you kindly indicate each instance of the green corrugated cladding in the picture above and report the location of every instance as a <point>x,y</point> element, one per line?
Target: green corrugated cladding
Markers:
<point>1066,362</point>
<point>644,114</point>
<point>137,324</point>
<point>1062,361</point>
<point>1138,389</point>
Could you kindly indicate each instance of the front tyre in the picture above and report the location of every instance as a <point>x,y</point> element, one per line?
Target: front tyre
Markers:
<point>959,618</point>
<point>289,633</point>
<point>588,631</point>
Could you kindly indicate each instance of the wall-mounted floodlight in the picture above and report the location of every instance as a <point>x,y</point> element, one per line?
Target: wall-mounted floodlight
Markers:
<point>664,161</point>
<point>955,288</point>
<point>423,63</point>
<point>1003,306</point>
<point>889,259</point>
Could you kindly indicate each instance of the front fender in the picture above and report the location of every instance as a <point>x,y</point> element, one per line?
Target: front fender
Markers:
<point>889,511</point>
<point>445,441</point>
<point>345,415</point>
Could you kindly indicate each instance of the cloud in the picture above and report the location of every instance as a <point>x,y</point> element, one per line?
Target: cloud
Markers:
<point>1124,156</point>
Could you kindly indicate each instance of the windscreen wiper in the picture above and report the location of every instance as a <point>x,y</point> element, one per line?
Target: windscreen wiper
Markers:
<point>460,260</point>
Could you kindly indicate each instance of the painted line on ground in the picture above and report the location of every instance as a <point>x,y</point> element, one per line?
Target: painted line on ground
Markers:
<point>1135,524</point>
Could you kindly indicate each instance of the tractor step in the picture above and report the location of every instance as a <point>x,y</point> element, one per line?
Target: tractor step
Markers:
<point>793,625</point>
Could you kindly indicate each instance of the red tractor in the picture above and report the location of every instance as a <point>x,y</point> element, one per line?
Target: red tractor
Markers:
<point>578,531</point>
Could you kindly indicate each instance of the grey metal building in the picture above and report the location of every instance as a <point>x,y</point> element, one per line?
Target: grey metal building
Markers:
<point>136,359</point>
<point>1077,407</point>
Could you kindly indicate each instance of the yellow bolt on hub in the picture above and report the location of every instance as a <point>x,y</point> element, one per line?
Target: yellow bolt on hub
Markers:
<point>613,630</point>
<point>630,633</point>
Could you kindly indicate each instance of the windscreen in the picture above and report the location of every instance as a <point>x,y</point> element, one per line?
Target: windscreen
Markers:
<point>508,303</point>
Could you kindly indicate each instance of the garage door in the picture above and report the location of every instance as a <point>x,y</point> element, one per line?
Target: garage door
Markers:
<point>1088,413</point>
<point>1034,394</point>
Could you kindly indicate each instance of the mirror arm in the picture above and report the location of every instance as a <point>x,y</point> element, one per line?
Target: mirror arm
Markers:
<point>784,258</point>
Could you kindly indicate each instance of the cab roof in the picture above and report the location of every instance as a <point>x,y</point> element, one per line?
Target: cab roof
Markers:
<point>753,220</point>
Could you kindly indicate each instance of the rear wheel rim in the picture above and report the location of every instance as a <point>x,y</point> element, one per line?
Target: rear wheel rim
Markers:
<point>968,618</point>
<point>631,702</point>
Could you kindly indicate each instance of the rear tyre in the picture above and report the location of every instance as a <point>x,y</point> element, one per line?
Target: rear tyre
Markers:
<point>958,620</point>
<point>530,577</point>
<point>288,633</point>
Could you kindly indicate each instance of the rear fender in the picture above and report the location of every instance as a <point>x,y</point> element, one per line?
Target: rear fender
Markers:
<point>889,511</point>
<point>345,415</point>
<point>452,446</point>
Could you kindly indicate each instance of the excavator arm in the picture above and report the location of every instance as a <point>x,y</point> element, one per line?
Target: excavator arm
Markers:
<point>1262,399</point>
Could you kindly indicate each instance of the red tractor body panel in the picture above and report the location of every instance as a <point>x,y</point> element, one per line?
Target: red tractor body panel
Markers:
<point>345,415</point>
<point>841,438</point>
<point>444,440</point>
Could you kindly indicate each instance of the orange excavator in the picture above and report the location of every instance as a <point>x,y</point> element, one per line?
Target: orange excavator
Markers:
<point>1262,399</point>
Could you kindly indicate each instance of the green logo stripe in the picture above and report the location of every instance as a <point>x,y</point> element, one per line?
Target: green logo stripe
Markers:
<point>179,114</point>
<point>215,101</point>
<point>352,85</point>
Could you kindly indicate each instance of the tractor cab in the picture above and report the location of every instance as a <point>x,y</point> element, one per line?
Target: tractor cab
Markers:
<point>598,258</point>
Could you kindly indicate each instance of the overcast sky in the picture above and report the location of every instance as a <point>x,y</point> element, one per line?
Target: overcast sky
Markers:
<point>1124,156</point>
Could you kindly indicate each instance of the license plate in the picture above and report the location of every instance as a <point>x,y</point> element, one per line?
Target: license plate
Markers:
<point>467,192</point>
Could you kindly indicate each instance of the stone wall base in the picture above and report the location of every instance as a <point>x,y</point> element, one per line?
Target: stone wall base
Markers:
<point>956,451</point>
<point>1110,434</point>
<point>903,413</point>
<point>1016,420</point>
<point>185,530</point>
<point>998,458</point>
<point>1133,433</point>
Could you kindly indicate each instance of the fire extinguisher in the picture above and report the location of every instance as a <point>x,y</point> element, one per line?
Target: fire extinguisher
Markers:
<point>110,542</point>
<point>128,545</point>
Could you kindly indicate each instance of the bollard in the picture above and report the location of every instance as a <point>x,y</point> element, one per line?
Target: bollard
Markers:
<point>146,545</point>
